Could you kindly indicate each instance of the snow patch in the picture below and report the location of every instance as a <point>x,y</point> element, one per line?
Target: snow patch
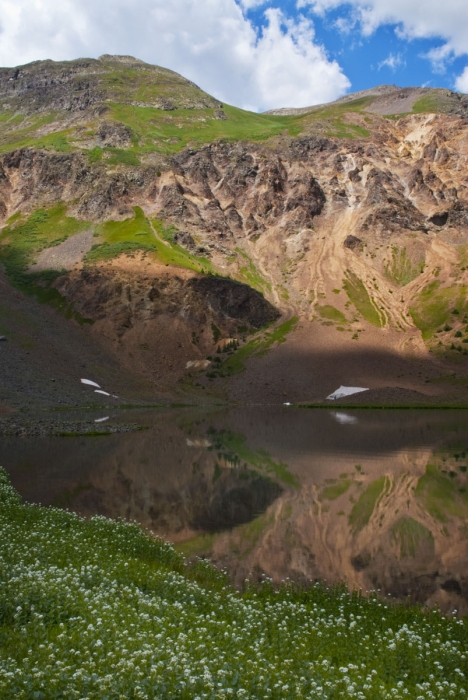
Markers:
<point>88,382</point>
<point>345,391</point>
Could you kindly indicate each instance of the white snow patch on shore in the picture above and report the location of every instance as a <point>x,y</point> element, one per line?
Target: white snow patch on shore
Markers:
<point>345,391</point>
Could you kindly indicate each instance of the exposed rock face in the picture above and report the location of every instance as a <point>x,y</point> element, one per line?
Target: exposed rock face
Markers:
<point>352,242</point>
<point>270,212</point>
<point>114,134</point>
<point>35,89</point>
<point>197,300</point>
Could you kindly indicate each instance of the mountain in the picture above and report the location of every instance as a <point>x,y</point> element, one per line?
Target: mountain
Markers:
<point>391,100</point>
<point>171,245</point>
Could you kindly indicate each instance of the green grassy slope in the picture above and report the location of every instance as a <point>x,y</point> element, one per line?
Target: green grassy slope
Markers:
<point>97,609</point>
<point>165,111</point>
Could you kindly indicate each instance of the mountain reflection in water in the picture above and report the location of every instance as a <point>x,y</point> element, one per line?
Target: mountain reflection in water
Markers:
<point>376,498</point>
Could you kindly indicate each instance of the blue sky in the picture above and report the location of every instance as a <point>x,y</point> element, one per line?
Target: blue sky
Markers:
<point>384,56</point>
<point>256,54</point>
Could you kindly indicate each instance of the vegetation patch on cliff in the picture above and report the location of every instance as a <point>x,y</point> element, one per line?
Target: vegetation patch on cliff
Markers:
<point>331,313</point>
<point>433,307</point>
<point>257,347</point>
<point>249,273</point>
<point>358,294</point>
<point>401,269</point>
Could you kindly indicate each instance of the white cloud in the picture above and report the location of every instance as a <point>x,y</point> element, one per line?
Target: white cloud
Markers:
<point>345,24</point>
<point>249,4</point>
<point>211,42</point>
<point>461,82</point>
<point>393,62</point>
<point>446,20</point>
<point>439,57</point>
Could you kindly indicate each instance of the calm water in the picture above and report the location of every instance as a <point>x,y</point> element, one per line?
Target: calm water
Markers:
<point>376,498</point>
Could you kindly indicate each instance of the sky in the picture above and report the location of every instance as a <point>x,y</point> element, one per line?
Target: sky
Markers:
<point>255,54</point>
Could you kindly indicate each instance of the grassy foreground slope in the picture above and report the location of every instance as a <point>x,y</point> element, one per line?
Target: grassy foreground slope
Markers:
<point>97,609</point>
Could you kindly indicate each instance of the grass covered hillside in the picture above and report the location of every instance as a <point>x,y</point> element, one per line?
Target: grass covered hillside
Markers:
<point>98,609</point>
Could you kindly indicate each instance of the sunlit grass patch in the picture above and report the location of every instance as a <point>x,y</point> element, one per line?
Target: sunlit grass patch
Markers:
<point>435,101</point>
<point>121,156</point>
<point>249,274</point>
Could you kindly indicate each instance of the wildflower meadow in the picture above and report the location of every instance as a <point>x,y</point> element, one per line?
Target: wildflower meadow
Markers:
<point>97,609</point>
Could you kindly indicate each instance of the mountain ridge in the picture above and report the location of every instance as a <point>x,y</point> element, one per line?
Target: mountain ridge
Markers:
<point>393,100</point>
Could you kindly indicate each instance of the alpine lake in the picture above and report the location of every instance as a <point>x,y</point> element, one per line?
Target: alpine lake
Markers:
<point>377,499</point>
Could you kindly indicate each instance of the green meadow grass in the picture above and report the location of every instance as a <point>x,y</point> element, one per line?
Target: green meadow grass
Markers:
<point>137,233</point>
<point>169,132</point>
<point>432,102</point>
<point>157,130</point>
<point>98,609</point>
<point>23,238</point>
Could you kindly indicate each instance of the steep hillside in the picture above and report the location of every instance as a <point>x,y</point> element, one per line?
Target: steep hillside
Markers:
<point>173,229</point>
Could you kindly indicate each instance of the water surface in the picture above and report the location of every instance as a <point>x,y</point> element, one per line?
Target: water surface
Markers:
<point>376,498</point>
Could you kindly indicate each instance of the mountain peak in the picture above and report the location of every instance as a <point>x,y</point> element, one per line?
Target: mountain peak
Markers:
<point>84,84</point>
